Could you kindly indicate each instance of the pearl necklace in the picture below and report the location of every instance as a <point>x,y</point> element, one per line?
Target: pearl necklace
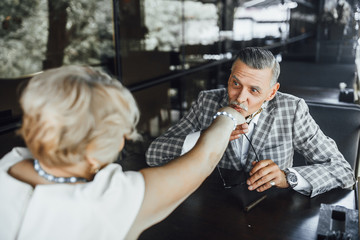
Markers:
<point>52,178</point>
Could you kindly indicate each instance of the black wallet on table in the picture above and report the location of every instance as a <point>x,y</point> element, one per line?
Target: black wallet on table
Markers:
<point>235,182</point>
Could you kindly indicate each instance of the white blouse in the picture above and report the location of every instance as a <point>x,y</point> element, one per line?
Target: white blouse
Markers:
<point>104,208</point>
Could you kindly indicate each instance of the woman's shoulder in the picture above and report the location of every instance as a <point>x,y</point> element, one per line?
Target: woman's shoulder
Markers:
<point>16,155</point>
<point>113,177</point>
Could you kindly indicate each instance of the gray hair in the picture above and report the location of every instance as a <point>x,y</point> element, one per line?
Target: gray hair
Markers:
<point>68,109</point>
<point>259,58</point>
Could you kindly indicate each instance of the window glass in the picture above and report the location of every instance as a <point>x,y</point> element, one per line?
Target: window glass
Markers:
<point>41,34</point>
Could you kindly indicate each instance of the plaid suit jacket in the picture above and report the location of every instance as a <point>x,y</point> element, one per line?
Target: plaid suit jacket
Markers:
<point>284,126</point>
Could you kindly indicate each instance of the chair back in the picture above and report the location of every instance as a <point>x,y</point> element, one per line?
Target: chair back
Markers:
<point>341,123</point>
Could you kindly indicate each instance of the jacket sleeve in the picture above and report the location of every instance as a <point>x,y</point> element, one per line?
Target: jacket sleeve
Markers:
<point>326,168</point>
<point>169,145</point>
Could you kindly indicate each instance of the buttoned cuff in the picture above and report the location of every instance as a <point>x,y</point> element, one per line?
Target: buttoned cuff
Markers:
<point>190,142</point>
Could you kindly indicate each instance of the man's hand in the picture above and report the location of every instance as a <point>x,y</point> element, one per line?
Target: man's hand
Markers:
<point>240,129</point>
<point>263,174</point>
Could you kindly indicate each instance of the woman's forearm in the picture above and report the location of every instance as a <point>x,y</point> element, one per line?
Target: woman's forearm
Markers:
<point>167,186</point>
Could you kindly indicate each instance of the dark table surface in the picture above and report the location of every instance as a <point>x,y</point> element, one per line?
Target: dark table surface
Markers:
<point>213,212</point>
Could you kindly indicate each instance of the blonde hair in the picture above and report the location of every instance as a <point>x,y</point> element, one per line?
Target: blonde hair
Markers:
<point>68,109</point>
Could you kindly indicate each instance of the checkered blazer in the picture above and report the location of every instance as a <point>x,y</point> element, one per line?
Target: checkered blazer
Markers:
<point>284,125</point>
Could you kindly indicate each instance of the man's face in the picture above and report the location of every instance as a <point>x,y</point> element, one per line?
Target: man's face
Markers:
<point>249,88</point>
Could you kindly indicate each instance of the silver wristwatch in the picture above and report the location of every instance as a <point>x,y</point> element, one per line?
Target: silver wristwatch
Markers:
<point>291,178</point>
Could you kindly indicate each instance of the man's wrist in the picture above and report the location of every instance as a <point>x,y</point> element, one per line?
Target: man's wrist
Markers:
<point>286,182</point>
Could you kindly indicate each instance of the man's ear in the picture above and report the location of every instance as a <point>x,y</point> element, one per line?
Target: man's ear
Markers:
<point>273,91</point>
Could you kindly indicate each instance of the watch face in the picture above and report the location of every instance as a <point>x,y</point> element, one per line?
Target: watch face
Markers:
<point>291,178</point>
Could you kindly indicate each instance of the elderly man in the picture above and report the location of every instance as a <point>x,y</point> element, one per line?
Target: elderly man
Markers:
<point>277,124</point>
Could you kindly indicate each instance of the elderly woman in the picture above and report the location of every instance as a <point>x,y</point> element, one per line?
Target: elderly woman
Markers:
<point>65,186</point>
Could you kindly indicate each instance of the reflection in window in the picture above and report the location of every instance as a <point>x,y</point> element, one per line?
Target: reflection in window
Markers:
<point>253,23</point>
<point>166,31</point>
<point>22,37</point>
<point>36,35</point>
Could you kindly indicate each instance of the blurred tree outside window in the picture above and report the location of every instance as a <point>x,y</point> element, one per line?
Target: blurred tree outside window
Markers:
<point>40,34</point>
